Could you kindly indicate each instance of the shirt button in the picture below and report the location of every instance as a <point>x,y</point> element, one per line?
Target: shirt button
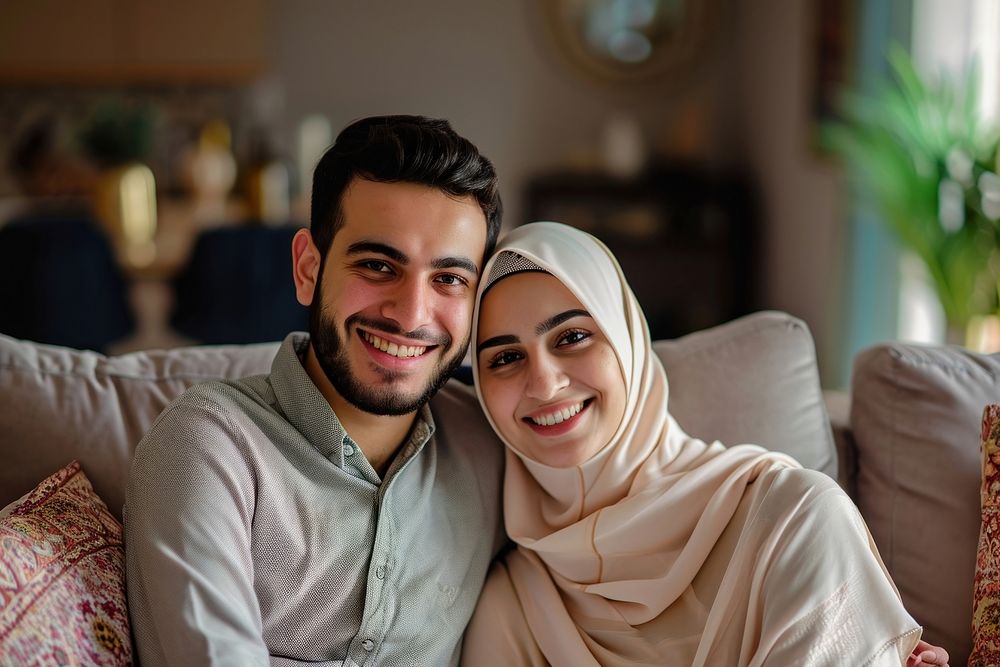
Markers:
<point>348,450</point>
<point>380,571</point>
<point>368,645</point>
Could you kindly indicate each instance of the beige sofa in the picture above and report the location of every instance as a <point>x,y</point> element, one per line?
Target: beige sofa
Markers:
<point>907,448</point>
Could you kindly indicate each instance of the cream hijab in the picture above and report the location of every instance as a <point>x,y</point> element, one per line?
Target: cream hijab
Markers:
<point>610,545</point>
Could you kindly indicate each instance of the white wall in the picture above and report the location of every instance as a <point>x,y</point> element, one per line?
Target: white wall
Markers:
<point>489,67</point>
<point>802,189</point>
<point>492,69</point>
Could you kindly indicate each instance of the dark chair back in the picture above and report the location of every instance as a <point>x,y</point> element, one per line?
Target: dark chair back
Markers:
<point>237,287</point>
<point>60,284</point>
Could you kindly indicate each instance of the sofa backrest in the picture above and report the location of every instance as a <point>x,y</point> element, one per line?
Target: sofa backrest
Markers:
<point>58,404</point>
<point>750,380</point>
<point>915,419</point>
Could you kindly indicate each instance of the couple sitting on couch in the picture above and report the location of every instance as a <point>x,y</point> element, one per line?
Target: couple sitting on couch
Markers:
<point>330,513</point>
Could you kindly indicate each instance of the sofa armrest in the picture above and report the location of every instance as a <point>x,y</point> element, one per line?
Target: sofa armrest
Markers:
<point>838,407</point>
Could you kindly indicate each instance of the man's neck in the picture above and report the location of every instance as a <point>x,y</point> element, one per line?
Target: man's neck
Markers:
<point>379,436</point>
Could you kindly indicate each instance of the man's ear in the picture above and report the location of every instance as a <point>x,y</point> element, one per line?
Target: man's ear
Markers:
<point>305,266</point>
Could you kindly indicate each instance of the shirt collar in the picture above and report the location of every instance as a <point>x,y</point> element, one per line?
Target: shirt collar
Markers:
<point>308,411</point>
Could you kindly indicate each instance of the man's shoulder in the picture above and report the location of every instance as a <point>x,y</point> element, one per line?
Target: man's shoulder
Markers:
<point>455,391</point>
<point>236,396</point>
<point>455,406</point>
<point>215,405</point>
<point>459,419</point>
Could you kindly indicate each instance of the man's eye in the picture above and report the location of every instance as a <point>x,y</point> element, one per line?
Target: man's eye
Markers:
<point>376,265</point>
<point>573,336</point>
<point>504,358</point>
<point>451,279</point>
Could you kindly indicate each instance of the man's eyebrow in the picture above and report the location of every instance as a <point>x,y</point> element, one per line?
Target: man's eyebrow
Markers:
<point>556,320</point>
<point>456,263</point>
<point>506,339</point>
<point>397,255</point>
<point>381,248</point>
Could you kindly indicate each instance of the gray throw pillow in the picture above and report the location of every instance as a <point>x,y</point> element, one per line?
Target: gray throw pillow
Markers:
<point>916,414</point>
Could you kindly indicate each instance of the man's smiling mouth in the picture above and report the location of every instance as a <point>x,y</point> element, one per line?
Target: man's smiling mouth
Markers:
<point>393,349</point>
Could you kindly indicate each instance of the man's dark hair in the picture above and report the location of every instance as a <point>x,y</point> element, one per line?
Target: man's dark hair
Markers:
<point>402,149</point>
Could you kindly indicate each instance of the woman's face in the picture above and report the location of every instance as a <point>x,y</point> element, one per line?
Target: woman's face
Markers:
<point>549,377</point>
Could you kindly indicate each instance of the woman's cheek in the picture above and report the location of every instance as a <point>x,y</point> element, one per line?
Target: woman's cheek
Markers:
<point>501,403</point>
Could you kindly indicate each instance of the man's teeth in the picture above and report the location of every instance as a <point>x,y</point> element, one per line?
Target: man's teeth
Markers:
<point>401,351</point>
<point>558,417</point>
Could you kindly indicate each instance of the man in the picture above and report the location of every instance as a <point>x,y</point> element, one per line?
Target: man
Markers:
<point>329,512</point>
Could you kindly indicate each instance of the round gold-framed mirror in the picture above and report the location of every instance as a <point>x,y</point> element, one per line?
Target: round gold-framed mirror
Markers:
<point>622,40</point>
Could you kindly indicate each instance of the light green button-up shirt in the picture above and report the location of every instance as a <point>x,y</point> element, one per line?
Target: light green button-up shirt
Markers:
<point>258,533</point>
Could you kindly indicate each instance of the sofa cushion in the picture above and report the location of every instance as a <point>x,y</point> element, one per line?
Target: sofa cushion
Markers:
<point>752,380</point>
<point>915,416</point>
<point>61,404</point>
<point>62,577</point>
<point>986,596</point>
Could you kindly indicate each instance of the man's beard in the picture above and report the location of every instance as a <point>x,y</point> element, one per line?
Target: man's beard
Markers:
<point>379,400</point>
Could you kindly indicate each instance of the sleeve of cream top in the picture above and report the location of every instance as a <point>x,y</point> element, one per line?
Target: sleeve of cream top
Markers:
<point>826,562</point>
<point>495,638</point>
<point>188,510</point>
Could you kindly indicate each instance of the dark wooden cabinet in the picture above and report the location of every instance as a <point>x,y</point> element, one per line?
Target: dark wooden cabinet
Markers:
<point>686,237</point>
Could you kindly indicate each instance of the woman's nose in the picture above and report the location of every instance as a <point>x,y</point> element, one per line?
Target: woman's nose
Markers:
<point>546,378</point>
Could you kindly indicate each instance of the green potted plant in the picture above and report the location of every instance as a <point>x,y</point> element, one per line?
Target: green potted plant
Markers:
<point>930,163</point>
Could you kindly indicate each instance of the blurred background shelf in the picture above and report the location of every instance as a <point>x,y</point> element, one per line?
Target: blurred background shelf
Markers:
<point>685,235</point>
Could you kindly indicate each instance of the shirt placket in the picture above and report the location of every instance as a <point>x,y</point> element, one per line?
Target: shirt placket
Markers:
<point>382,596</point>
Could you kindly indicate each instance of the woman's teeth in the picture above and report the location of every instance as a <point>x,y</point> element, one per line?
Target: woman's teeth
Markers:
<point>558,417</point>
<point>401,351</point>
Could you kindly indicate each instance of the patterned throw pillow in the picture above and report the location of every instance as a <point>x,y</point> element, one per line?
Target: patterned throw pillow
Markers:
<point>986,597</point>
<point>62,577</point>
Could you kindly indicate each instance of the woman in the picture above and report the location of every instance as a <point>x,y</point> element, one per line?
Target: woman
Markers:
<point>636,544</point>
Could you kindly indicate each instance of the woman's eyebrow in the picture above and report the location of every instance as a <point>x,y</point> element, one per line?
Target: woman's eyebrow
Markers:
<point>506,339</point>
<point>543,327</point>
<point>556,320</point>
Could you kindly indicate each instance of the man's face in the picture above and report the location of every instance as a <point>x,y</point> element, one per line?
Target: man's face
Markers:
<point>391,316</point>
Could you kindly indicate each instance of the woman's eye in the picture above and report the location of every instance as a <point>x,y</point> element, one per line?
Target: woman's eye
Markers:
<point>503,358</point>
<point>573,337</point>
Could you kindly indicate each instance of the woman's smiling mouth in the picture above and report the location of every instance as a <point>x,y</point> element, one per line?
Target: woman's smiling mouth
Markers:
<point>558,421</point>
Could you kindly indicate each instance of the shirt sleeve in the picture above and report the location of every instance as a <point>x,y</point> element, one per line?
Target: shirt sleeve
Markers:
<point>188,518</point>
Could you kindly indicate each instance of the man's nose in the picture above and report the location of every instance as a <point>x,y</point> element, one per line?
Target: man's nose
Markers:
<point>409,305</point>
